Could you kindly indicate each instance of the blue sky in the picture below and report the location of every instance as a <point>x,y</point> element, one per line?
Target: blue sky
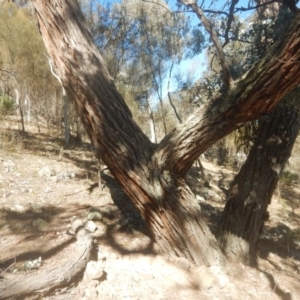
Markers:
<point>197,65</point>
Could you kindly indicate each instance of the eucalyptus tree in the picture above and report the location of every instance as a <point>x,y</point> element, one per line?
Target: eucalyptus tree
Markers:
<point>153,175</point>
<point>23,62</point>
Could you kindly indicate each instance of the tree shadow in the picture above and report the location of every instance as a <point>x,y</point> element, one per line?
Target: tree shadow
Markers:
<point>276,288</point>
<point>24,241</point>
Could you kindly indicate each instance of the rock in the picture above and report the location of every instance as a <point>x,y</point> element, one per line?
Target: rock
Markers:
<point>81,289</point>
<point>91,293</point>
<point>46,172</point>
<point>6,194</point>
<point>48,190</point>
<point>18,208</point>
<point>114,256</point>
<point>39,223</point>
<point>93,283</point>
<point>36,208</point>
<point>90,226</point>
<point>182,263</point>
<point>220,275</point>
<point>93,271</point>
<point>32,264</point>
<point>202,278</point>
<point>199,198</point>
<point>94,215</point>
<point>101,256</point>
<point>64,176</point>
<point>9,166</point>
<point>101,230</point>
<point>209,194</point>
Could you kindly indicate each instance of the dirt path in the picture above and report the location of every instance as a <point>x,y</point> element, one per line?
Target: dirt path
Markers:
<point>39,195</point>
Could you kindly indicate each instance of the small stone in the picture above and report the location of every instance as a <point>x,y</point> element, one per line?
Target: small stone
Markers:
<point>18,208</point>
<point>93,283</point>
<point>6,194</point>
<point>91,293</point>
<point>114,256</point>
<point>90,226</point>
<point>32,264</point>
<point>8,166</point>
<point>200,198</point>
<point>101,230</point>
<point>80,290</point>
<point>93,271</point>
<point>101,256</point>
<point>95,215</point>
<point>182,263</point>
<point>55,178</point>
<point>48,190</point>
<point>46,172</point>
<point>36,208</point>
<point>39,223</point>
<point>202,278</point>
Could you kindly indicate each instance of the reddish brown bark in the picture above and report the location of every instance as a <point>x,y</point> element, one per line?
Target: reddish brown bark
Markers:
<point>252,189</point>
<point>153,176</point>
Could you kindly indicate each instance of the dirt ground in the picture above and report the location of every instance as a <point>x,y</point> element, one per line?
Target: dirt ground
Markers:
<point>42,189</point>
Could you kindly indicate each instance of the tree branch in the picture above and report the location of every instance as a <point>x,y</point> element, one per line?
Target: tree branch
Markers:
<point>230,20</point>
<point>254,95</point>
<point>104,113</point>
<point>256,6</point>
<point>213,35</point>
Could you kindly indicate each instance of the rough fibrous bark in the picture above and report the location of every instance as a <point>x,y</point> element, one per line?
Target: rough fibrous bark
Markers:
<point>252,189</point>
<point>153,175</point>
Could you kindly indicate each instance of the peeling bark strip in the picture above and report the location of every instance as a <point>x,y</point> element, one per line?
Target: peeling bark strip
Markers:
<point>44,282</point>
<point>153,176</point>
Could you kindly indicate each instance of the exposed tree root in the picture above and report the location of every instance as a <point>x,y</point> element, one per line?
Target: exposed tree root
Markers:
<point>44,282</point>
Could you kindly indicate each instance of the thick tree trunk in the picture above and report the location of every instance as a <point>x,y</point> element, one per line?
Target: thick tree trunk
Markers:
<point>153,176</point>
<point>252,189</point>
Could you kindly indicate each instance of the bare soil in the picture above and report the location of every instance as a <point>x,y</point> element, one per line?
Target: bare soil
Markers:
<point>42,189</point>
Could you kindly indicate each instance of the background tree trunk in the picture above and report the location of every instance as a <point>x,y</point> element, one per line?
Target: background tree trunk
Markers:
<point>252,189</point>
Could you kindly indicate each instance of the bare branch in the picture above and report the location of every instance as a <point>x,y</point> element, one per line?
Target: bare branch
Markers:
<point>213,35</point>
<point>256,6</point>
<point>9,72</point>
<point>230,20</point>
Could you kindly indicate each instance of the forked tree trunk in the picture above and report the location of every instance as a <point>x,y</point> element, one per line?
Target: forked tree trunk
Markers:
<point>153,175</point>
<point>252,189</point>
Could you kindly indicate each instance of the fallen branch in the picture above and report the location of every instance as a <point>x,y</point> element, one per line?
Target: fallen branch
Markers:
<point>44,282</point>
